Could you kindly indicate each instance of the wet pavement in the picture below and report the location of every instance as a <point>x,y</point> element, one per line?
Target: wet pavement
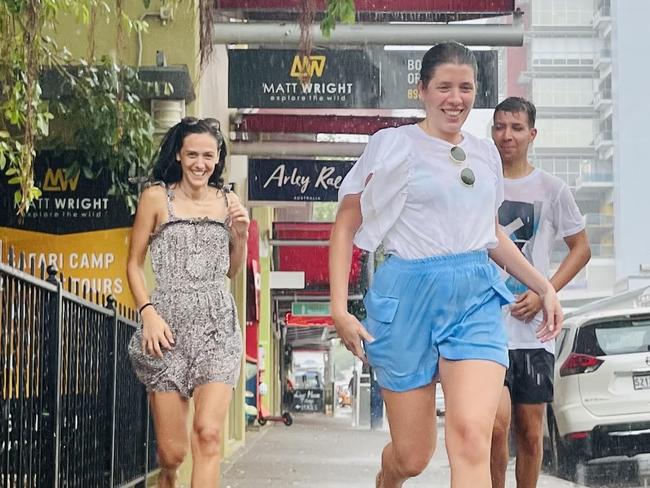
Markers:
<point>327,452</point>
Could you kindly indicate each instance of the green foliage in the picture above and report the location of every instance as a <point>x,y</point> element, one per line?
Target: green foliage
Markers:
<point>337,11</point>
<point>111,130</point>
<point>25,51</point>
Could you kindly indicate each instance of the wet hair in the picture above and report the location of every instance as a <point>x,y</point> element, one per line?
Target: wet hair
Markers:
<point>167,168</point>
<point>446,52</point>
<point>514,105</point>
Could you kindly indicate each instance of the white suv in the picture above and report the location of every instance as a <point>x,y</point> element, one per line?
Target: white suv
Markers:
<point>602,389</point>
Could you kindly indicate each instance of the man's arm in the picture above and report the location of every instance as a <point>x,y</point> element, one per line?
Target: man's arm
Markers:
<point>529,303</point>
<point>578,257</point>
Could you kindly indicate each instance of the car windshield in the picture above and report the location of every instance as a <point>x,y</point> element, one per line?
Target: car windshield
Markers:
<point>615,337</point>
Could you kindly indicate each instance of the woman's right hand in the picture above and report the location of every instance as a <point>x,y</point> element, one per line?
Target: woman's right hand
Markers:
<point>155,333</point>
<point>351,332</point>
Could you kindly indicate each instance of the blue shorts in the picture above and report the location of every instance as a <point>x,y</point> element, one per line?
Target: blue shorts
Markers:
<point>444,306</point>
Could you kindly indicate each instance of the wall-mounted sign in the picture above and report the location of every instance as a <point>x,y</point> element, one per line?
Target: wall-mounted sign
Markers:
<point>295,180</point>
<point>75,226</point>
<point>351,78</point>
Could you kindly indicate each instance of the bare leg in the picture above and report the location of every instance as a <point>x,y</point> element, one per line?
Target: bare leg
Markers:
<point>472,392</point>
<point>412,420</point>
<point>499,454</point>
<point>529,431</point>
<point>211,403</point>
<point>169,410</point>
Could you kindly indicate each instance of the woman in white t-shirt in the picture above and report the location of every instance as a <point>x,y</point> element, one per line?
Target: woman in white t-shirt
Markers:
<point>429,193</point>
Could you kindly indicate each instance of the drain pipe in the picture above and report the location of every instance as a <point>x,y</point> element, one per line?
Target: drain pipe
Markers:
<point>378,34</point>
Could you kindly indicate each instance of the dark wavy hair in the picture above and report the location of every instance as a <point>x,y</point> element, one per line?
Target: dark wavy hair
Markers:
<point>446,52</point>
<point>167,168</point>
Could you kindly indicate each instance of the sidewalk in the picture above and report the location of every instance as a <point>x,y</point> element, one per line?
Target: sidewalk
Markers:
<point>325,452</point>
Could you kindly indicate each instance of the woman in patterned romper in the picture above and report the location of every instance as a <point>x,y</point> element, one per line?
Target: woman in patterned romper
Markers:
<point>190,342</point>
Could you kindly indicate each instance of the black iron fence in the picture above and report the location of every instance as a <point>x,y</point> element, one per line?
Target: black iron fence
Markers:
<point>73,413</point>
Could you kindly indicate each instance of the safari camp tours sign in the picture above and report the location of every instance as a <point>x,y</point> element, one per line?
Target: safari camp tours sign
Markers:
<point>295,180</point>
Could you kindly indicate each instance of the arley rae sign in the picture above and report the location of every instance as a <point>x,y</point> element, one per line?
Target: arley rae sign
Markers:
<point>295,180</point>
<point>351,78</point>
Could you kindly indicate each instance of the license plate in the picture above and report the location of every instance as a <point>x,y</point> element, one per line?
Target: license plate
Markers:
<point>641,382</point>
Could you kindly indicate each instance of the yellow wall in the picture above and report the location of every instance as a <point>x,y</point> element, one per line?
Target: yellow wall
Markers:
<point>178,38</point>
<point>264,217</point>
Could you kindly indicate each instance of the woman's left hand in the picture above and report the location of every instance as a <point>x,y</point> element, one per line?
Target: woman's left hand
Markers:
<point>553,316</point>
<point>238,219</point>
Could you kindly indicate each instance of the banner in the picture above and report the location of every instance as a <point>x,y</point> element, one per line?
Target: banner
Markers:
<point>351,78</point>
<point>295,180</point>
<point>75,226</point>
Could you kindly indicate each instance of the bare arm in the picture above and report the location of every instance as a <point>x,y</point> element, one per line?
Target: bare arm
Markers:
<point>529,303</point>
<point>146,219</point>
<point>577,258</point>
<point>155,331</point>
<point>508,256</point>
<point>239,222</point>
<point>348,221</point>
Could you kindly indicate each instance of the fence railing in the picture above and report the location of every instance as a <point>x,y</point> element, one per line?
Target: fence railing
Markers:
<point>73,413</point>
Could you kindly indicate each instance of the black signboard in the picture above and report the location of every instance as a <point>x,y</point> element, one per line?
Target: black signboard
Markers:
<point>401,73</point>
<point>308,400</point>
<point>361,78</point>
<point>295,180</point>
<point>271,78</point>
<point>68,204</point>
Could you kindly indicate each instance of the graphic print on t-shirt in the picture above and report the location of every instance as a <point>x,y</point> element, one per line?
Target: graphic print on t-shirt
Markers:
<point>520,221</point>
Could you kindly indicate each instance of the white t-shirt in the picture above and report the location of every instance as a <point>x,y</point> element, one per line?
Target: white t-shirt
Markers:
<point>537,210</point>
<point>415,202</point>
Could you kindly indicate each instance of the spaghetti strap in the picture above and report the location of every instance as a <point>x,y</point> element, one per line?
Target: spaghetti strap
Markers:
<point>226,190</point>
<point>170,208</point>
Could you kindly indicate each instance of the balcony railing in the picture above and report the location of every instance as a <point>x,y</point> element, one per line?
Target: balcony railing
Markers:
<point>603,137</point>
<point>599,220</point>
<point>557,59</point>
<point>604,96</point>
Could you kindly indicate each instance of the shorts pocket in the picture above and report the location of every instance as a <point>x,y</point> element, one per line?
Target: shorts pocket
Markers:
<point>505,296</point>
<point>380,308</point>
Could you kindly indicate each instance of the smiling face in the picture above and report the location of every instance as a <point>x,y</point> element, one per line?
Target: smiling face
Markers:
<point>448,98</point>
<point>198,157</point>
<point>512,135</point>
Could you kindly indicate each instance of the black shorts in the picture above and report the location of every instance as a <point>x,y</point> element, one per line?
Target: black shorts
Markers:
<point>530,375</point>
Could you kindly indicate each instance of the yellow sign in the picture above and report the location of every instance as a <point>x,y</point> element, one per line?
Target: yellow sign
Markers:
<point>95,260</point>
<point>55,180</point>
<point>307,66</point>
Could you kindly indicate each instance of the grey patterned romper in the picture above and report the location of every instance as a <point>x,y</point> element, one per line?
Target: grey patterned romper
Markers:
<point>190,259</point>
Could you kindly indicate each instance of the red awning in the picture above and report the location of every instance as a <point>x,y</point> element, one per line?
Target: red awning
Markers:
<point>443,6</point>
<point>308,321</point>
<point>318,124</point>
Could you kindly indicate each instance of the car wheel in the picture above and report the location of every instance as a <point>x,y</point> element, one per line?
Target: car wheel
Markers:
<point>563,461</point>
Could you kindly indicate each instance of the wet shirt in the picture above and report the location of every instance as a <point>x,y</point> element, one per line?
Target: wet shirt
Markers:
<point>538,209</point>
<point>415,202</point>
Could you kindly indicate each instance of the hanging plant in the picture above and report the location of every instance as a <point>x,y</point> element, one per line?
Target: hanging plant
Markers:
<point>337,11</point>
<point>25,52</point>
<point>111,130</point>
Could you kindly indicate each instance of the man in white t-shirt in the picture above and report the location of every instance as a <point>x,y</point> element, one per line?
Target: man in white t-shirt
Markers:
<point>537,210</point>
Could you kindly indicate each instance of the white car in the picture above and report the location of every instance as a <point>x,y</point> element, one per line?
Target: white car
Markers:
<point>602,389</point>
